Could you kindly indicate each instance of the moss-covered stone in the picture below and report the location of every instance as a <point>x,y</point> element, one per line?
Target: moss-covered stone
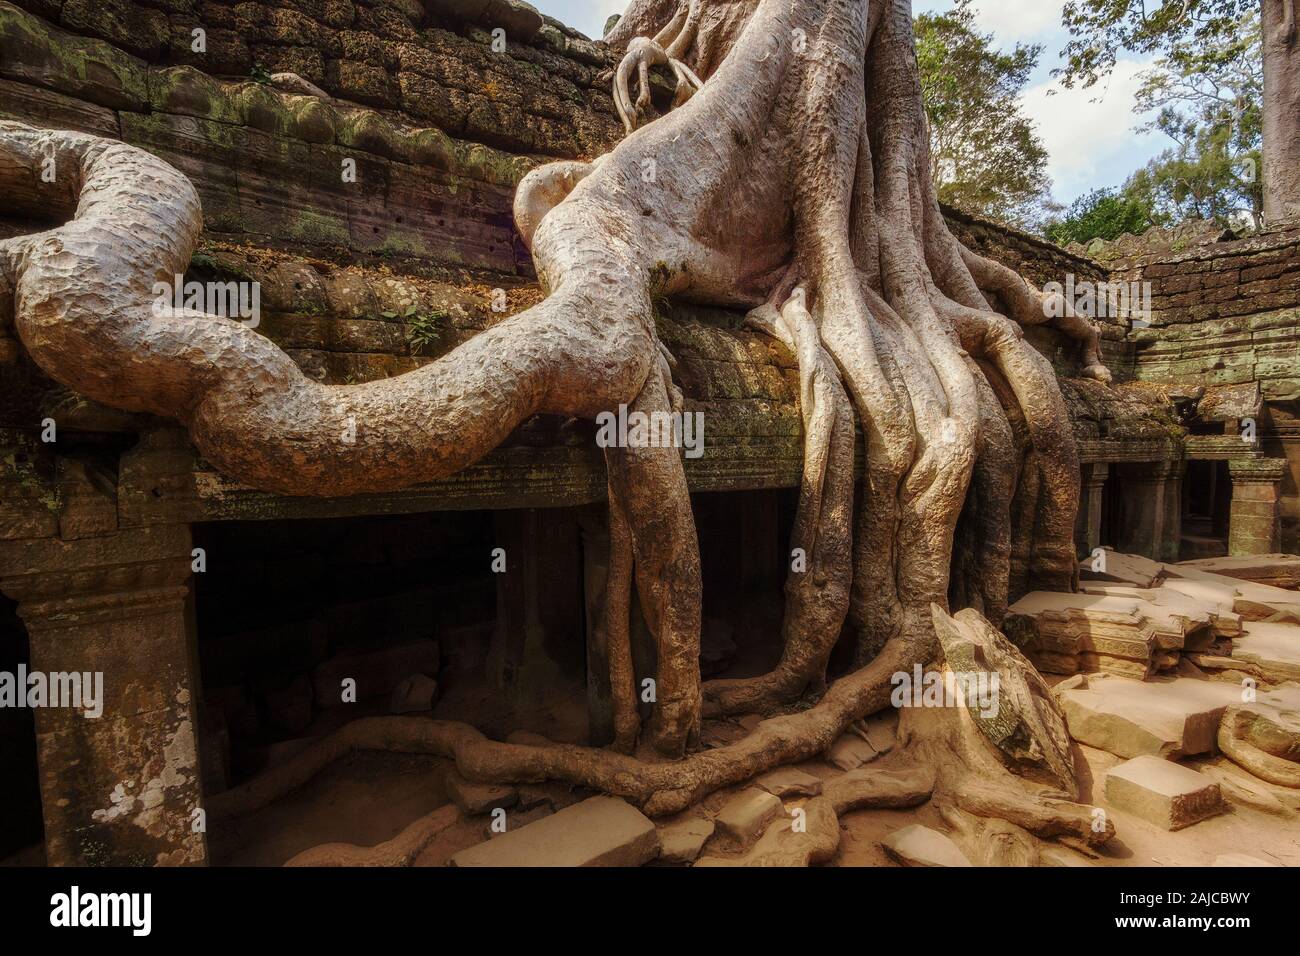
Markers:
<point>33,51</point>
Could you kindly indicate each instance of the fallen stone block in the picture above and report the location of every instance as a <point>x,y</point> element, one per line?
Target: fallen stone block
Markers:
<point>918,845</point>
<point>790,782</point>
<point>1166,794</point>
<point>744,817</point>
<point>850,752</point>
<point>1129,718</point>
<point>682,842</point>
<point>809,835</point>
<point>1273,648</point>
<point>1183,620</point>
<point>478,798</point>
<point>1276,570</point>
<point>1121,568</point>
<point>1254,602</point>
<point>602,831</point>
<point>1068,633</point>
<point>376,673</point>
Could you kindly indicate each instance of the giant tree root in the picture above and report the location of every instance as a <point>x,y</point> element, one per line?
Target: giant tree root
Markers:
<point>401,850</point>
<point>659,788</point>
<point>793,172</point>
<point>1252,744</point>
<point>817,590</point>
<point>979,788</point>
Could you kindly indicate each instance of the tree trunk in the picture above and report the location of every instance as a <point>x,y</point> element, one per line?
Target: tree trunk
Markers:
<point>1281,111</point>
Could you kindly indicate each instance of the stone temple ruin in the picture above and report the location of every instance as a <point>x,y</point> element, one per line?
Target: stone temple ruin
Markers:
<point>358,164</point>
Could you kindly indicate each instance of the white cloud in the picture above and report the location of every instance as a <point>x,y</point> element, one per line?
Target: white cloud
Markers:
<point>1010,20</point>
<point>1089,133</point>
<point>1019,20</point>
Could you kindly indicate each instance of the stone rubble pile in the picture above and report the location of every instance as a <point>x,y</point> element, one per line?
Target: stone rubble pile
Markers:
<point>1138,618</point>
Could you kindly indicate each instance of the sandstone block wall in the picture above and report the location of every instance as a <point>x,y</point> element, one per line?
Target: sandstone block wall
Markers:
<point>370,279</point>
<point>1227,313</point>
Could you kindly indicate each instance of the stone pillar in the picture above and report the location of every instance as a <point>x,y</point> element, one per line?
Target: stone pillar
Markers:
<point>594,524</point>
<point>537,647</point>
<point>1172,534</point>
<point>120,788</point>
<point>1253,526</point>
<point>1143,488</point>
<point>1093,487</point>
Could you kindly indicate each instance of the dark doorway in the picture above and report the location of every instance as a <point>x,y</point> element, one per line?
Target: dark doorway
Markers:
<point>1207,505</point>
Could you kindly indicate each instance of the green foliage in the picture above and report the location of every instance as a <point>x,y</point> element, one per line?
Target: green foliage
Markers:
<point>422,332</point>
<point>985,155</point>
<point>1208,101</point>
<point>1102,214</point>
<point>260,74</point>
<point>1099,29</point>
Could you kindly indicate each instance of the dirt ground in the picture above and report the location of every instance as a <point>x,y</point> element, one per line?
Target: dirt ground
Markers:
<point>368,798</point>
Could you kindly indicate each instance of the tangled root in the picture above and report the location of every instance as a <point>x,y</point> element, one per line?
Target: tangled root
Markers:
<point>791,179</point>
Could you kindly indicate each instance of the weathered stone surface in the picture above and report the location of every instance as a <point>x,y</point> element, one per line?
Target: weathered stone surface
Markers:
<point>850,752</point>
<point>1066,633</point>
<point>1254,602</point>
<point>602,831</point>
<point>1128,718</point>
<point>681,842</point>
<point>810,835</point>
<point>1278,570</point>
<point>1019,716</point>
<point>477,798</point>
<point>790,782</point>
<point>917,845</point>
<point>118,788</point>
<point>1182,620</point>
<point>34,52</point>
<point>1122,568</point>
<point>1274,648</point>
<point>1161,792</point>
<point>744,817</point>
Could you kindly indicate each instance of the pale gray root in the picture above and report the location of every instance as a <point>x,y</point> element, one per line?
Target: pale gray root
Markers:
<point>1280,175</point>
<point>1246,741</point>
<point>817,590</point>
<point>659,787</point>
<point>979,793</point>
<point>801,151</point>
<point>87,313</point>
<point>295,84</point>
<point>401,850</point>
<point>618,635</point>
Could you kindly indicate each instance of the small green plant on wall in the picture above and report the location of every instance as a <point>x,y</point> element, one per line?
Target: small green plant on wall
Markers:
<point>422,332</point>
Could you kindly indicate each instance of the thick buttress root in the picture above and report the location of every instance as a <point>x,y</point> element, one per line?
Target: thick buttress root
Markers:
<point>817,589</point>
<point>661,788</point>
<point>790,179</point>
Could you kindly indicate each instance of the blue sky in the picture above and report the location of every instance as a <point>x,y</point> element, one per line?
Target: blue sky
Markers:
<point>1088,133</point>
